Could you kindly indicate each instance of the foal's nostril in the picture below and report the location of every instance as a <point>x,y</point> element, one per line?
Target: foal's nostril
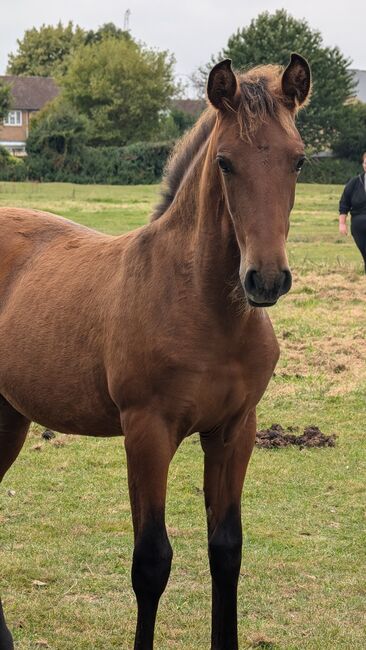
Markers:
<point>252,282</point>
<point>268,288</point>
<point>286,282</point>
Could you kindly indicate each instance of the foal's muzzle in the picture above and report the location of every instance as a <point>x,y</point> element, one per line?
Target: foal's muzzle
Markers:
<point>263,290</point>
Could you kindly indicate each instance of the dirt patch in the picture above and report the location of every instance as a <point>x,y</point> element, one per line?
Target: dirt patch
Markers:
<point>276,436</point>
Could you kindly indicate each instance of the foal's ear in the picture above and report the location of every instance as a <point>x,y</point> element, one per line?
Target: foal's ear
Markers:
<point>221,85</point>
<point>296,81</point>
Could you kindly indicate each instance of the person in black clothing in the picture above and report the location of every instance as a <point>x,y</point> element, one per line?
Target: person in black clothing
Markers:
<point>353,200</point>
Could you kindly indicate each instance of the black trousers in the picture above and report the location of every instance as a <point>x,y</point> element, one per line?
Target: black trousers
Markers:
<point>358,231</point>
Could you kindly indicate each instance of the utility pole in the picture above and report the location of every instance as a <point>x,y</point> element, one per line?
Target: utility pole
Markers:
<point>126,22</point>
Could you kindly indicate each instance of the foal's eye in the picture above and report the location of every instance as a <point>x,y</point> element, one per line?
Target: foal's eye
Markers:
<point>225,165</point>
<point>299,164</point>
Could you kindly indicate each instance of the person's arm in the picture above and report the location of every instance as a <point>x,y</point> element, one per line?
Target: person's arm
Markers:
<point>343,224</point>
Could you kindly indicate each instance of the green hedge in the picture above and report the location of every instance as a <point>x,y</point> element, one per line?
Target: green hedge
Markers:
<point>11,168</point>
<point>333,171</point>
<point>135,164</point>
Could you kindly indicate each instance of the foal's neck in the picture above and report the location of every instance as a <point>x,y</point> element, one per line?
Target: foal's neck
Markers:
<point>203,227</point>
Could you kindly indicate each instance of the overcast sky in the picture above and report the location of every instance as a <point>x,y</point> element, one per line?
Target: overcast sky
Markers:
<point>192,30</point>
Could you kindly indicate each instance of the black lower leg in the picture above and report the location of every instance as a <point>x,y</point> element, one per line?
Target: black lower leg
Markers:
<point>6,641</point>
<point>224,546</point>
<point>13,430</point>
<point>151,565</point>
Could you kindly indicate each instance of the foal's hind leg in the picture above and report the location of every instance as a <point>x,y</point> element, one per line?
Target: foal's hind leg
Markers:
<point>225,467</point>
<point>13,430</point>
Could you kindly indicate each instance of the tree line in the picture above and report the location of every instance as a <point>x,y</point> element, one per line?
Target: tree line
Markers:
<point>115,91</point>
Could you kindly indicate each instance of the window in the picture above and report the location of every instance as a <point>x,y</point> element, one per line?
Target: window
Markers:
<point>15,148</point>
<point>13,118</point>
<point>18,151</point>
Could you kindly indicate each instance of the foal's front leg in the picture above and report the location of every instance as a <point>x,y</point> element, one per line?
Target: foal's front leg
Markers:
<point>225,467</point>
<point>6,642</point>
<point>149,452</point>
<point>13,430</point>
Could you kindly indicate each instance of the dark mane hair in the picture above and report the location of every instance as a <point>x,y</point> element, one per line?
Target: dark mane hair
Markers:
<point>261,98</point>
<point>181,157</point>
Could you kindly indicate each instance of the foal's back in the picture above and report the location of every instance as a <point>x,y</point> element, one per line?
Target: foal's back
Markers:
<point>24,234</point>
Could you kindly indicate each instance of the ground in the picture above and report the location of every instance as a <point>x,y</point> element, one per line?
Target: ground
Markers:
<point>65,526</point>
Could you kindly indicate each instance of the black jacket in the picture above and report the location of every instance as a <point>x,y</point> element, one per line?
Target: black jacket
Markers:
<point>353,199</point>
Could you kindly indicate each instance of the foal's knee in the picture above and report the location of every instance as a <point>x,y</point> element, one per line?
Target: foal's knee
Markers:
<point>224,547</point>
<point>152,559</point>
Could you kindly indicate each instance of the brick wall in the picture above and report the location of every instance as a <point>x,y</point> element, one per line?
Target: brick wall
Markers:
<point>15,133</point>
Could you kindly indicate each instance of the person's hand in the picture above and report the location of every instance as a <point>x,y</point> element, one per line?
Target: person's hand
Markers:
<point>343,228</point>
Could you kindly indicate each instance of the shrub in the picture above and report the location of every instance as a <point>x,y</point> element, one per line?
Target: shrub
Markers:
<point>351,141</point>
<point>135,164</point>
<point>11,168</point>
<point>335,171</point>
<point>56,143</point>
<point>132,165</point>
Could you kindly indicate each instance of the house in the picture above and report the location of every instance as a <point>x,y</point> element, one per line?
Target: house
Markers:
<point>29,95</point>
<point>360,89</point>
<point>193,107</point>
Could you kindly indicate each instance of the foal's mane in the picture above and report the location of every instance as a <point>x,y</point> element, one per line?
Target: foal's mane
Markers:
<point>261,98</point>
<point>181,158</point>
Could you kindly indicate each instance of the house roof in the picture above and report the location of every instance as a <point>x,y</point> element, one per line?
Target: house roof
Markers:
<point>192,106</point>
<point>360,78</point>
<point>31,93</point>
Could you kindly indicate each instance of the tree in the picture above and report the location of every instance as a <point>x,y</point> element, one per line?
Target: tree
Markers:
<point>45,51</point>
<point>351,142</point>
<point>108,30</point>
<point>175,123</point>
<point>56,140</point>
<point>271,38</point>
<point>5,100</point>
<point>122,88</point>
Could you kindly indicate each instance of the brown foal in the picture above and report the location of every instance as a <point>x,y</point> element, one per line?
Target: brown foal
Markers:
<point>161,332</point>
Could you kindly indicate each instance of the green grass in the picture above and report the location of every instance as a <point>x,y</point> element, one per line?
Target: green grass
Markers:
<point>109,208</point>
<point>67,523</point>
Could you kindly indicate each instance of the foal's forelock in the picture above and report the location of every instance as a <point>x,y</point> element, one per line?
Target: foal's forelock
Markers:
<point>261,99</point>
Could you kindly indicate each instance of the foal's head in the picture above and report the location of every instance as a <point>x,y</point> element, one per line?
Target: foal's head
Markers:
<point>259,153</point>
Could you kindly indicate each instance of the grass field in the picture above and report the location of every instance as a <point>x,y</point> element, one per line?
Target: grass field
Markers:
<point>65,527</point>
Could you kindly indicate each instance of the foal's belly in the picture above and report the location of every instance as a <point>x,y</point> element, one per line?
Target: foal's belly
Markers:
<point>69,395</point>
<point>68,413</point>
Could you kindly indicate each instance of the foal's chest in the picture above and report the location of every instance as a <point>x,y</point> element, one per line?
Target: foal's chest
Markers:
<point>203,397</point>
